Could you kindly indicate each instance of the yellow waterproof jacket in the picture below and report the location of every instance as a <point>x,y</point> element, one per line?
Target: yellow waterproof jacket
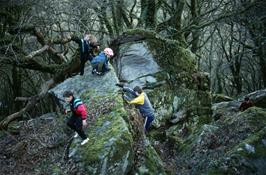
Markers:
<point>142,102</point>
<point>138,100</point>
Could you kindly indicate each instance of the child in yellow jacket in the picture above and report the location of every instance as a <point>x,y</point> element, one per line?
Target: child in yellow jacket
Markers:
<point>142,102</point>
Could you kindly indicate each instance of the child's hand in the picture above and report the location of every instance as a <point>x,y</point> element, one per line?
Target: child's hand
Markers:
<point>84,123</point>
<point>119,85</point>
<point>66,111</point>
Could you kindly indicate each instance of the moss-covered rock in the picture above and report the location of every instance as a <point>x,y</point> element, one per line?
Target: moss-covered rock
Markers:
<point>152,164</point>
<point>175,85</point>
<point>234,144</point>
<point>249,155</point>
<point>167,72</point>
<point>110,148</point>
<point>217,98</point>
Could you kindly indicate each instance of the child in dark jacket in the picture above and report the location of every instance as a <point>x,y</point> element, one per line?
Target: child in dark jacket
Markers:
<point>245,104</point>
<point>87,46</point>
<point>79,115</point>
<point>142,102</point>
<point>100,62</point>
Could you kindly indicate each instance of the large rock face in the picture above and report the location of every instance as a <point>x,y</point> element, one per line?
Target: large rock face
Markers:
<point>240,143</point>
<point>232,143</point>
<point>166,70</point>
<point>46,144</point>
<point>226,108</point>
<point>189,140</point>
<point>110,149</point>
<point>136,65</point>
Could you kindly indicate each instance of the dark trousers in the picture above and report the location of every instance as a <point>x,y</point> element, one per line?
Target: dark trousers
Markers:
<point>75,123</point>
<point>148,121</point>
<point>98,67</point>
<point>82,65</point>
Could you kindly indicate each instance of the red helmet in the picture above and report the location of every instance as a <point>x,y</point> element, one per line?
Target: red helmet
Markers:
<point>108,51</point>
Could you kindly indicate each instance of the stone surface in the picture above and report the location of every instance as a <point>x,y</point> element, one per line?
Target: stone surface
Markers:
<point>217,98</point>
<point>167,72</point>
<point>110,148</point>
<point>136,64</point>
<point>257,97</point>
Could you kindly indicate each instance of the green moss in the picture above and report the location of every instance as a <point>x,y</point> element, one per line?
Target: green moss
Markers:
<point>14,127</point>
<point>2,134</point>
<point>110,139</point>
<point>239,158</point>
<point>56,170</point>
<point>157,135</point>
<point>103,132</point>
<point>178,59</point>
<point>218,172</point>
<point>153,164</point>
<point>255,140</point>
<point>217,98</point>
<point>204,119</point>
<point>258,116</point>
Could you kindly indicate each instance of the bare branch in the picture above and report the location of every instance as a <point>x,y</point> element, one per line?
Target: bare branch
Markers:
<point>37,52</point>
<point>22,99</point>
<point>32,101</point>
<point>204,24</point>
<point>40,38</point>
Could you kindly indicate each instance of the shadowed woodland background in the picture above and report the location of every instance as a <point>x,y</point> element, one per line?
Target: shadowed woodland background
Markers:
<point>227,37</point>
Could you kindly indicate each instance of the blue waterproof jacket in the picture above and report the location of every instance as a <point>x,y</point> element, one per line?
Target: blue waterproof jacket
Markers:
<point>101,58</point>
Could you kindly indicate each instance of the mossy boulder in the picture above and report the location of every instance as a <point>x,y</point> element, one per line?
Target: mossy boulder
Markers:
<point>110,148</point>
<point>152,164</point>
<point>224,109</point>
<point>166,69</point>
<point>248,154</point>
<point>234,144</point>
<point>217,98</point>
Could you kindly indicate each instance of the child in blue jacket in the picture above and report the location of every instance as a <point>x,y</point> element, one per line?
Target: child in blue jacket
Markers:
<point>100,62</point>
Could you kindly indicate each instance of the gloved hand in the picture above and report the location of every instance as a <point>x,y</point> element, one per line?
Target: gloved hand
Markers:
<point>119,85</point>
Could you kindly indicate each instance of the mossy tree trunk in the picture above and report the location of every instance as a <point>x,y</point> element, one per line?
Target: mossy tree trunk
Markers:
<point>176,20</point>
<point>102,14</point>
<point>260,51</point>
<point>148,14</point>
<point>120,19</point>
<point>254,20</point>
<point>233,54</point>
<point>17,88</point>
<point>195,11</point>
<point>150,19</point>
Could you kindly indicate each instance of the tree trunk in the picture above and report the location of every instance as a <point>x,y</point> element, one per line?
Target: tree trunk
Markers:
<point>262,57</point>
<point>195,33</point>
<point>143,13</point>
<point>16,87</point>
<point>150,19</point>
<point>176,20</point>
